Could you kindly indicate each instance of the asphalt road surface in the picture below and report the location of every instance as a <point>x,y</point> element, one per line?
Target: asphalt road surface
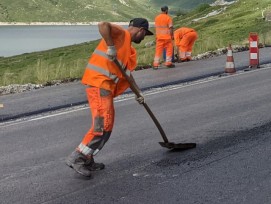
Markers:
<point>67,95</point>
<point>228,117</point>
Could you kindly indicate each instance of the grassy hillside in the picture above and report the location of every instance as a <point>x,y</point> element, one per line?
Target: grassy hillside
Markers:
<point>232,25</point>
<point>73,10</point>
<point>88,11</point>
<point>181,4</point>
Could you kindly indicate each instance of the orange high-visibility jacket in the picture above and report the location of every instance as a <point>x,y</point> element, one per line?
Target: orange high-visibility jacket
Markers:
<point>179,33</point>
<point>103,73</point>
<point>163,22</point>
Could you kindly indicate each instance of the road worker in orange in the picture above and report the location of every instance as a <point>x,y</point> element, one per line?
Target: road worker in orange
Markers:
<point>104,81</point>
<point>164,38</point>
<point>184,41</point>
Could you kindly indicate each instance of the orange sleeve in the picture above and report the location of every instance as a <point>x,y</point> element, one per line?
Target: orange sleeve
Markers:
<point>131,64</point>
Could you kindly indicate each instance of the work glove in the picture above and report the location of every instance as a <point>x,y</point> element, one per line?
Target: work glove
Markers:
<point>111,52</point>
<point>140,99</point>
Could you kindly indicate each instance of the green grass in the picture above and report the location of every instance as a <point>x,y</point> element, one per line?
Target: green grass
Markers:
<point>87,11</point>
<point>63,63</point>
<point>232,26</point>
<point>183,4</point>
<point>41,67</point>
<point>73,10</point>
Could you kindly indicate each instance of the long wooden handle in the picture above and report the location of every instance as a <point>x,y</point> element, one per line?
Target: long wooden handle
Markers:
<point>135,90</point>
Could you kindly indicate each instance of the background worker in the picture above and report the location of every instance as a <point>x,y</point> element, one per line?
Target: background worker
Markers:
<point>105,81</point>
<point>164,38</point>
<point>184,41</point>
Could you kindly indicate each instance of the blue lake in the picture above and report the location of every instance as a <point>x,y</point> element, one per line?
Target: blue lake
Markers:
<point>15,40</point>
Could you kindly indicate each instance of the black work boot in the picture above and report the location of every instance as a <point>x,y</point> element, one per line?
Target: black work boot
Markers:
<point>92,166</point>
<point>77,162</point>
<point>170,66</point>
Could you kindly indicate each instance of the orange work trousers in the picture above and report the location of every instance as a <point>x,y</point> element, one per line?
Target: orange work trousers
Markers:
<point>160,45</point>
<point>186,45</point>
<point>103,113</point>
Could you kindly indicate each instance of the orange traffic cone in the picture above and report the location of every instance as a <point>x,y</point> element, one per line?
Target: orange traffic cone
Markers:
<point>230,67</point>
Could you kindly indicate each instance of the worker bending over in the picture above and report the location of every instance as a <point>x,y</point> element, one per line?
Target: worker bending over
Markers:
<point>184,41</point>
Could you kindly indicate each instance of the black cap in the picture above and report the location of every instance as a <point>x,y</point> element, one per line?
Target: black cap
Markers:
<point>141,23</point>
<point>164,8</point>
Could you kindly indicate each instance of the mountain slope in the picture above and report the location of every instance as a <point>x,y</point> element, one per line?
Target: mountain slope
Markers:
<point>181,4</point>
<point>220,25</point>
<point>88,11</point>
<point>73,10</point>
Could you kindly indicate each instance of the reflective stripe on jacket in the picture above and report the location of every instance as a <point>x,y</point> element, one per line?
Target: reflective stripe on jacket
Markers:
<point>163,23</point>
<point>103,73</point>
